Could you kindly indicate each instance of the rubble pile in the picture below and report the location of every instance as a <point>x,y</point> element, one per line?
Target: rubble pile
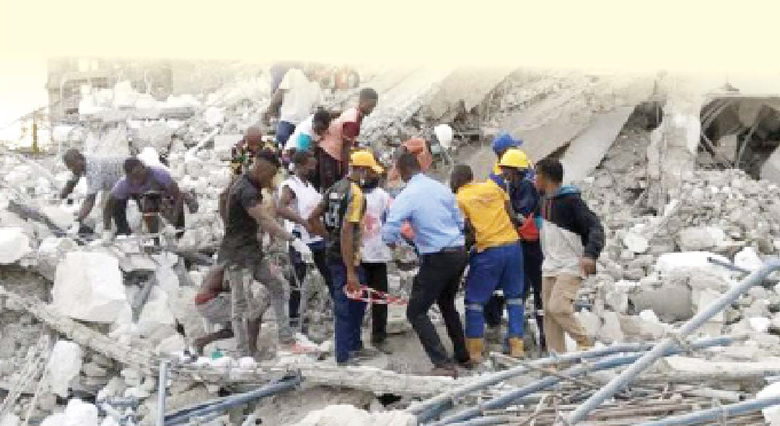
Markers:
<point>117,310</point>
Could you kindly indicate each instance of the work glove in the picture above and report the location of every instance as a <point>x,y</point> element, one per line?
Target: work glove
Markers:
<point>303,250</point>
<point>107,236</point>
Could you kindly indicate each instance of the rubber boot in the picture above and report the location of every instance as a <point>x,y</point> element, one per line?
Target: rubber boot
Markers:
<point>475,347</point>
<point>516,347</point>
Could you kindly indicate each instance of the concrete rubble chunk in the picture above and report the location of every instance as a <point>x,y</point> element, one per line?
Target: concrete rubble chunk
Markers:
<point>14,244</point>
<point>10,420</point>
<point>700,238</point>
<point>64,364</point>
<point>89,287</point>
<point>671,301</point>
<point>349,415</point>
<point>636,242</point>
<point>611,330</point>
<point>590,321</point>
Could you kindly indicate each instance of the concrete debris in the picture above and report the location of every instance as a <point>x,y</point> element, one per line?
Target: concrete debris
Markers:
<point>348,415</point>
<point>89,287</point>
<point>14,244</point>
<point>64,365</point>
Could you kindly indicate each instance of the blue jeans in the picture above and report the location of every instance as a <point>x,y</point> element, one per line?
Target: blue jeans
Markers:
<point>348,313</point>
<point>492,269</point>
<point>283,132</point>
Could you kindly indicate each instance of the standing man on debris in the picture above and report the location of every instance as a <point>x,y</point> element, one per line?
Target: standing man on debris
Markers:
<point>516,179</point>
<point>495,305</point>
<point>495,263</point>
<point>341,137</point>
<point>375,254</point>
<point>153,188</point>
<point>297,200</point>
<point>241,253</point>
<point>101,174</point>
<point>293,101</point>
<point>572,239</point>
<point>432,211</point>
<point>343,207</point>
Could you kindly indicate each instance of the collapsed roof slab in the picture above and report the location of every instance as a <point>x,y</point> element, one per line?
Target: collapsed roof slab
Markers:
<point>469,84</point>
<point>771,168</point>
<point>587,150</point>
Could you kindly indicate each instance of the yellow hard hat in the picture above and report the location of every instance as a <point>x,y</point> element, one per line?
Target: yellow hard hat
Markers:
<point>364,158</point>
<point>514,157</point>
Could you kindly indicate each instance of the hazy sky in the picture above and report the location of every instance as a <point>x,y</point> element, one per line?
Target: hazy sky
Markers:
<point>693,35</point>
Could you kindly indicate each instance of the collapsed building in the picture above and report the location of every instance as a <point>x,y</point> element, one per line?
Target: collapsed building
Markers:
<point>683,172</point>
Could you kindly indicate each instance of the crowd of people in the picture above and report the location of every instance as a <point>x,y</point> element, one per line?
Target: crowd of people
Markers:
<point>517,233</point>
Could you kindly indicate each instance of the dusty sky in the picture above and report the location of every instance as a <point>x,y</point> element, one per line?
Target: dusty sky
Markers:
<point>691,35</point>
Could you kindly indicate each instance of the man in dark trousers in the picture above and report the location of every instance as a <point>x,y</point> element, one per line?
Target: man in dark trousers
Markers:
<point>433,213</point>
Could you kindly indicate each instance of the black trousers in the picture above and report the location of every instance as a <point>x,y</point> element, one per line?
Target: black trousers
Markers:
<point>376,278</point>
<point>438,282</point>
<point>299,269</point>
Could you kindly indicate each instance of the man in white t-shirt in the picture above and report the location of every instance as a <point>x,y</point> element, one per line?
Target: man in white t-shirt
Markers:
<point>293,101</point>
<point>297,199</point>
<point>309,132</point>
<point>375,254</point>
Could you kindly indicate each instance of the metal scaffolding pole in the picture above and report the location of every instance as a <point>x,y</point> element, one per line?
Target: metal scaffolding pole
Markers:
<point>627,376</point>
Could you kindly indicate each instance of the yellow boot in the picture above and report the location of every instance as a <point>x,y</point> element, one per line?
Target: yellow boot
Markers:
<point>516,347</point>
<point>475,347</point>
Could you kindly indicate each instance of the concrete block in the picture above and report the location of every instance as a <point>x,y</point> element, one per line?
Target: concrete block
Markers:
<point>89,287</point>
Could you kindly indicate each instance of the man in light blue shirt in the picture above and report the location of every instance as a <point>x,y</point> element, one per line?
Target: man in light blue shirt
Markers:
<point>433,213</point>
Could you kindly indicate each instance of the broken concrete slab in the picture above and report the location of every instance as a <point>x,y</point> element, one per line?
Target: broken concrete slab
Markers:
<point>63,366</point>
<point>14,244</point>
<point>469,85</point>
<point>671,302</point>
<point>771,169</point>
<point>700,238</point>
<point>586,151</point>
<point>89,287</point>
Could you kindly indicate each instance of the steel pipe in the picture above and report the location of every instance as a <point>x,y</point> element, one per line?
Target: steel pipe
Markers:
<point>717,413</point>
<point>627,376</point>
<point>508,398</point>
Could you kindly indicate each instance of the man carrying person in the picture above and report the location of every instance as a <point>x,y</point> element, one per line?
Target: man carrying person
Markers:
<point>375,254</point>
<point>297,199</point>
<point>241,253</point>
<point>342,208</point>
<point>101,174</point>
<point>432,211</point>
<point>334,148</point>
<point>572,239</point>
<point>244,151</point>
<point>495,263</point>
<point>156,192</point>
<point>516,179</point>
<point>293,101</point>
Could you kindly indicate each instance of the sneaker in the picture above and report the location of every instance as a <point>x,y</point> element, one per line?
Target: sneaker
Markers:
<point>365,353</point>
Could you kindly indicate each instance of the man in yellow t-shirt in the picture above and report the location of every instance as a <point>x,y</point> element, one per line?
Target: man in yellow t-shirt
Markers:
<point>496,261</point>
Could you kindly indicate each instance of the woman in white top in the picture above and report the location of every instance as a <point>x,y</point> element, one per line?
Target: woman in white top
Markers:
<point>297,199</point>
<point>375,254</point>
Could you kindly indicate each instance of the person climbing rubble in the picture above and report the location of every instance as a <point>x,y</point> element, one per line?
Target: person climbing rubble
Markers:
<point>214,302</point>
<point>496,262</point>
<point>517,180</point>
<point>375,254</point>
<point>240,252</point>
<point>335,147</point>
<point>155,191</point>
<point>101,173</point>
<point>431,209</point>
<point>342,208</point>
<point>572,239</point>
<point>297,199</point>
<point>293,101</point>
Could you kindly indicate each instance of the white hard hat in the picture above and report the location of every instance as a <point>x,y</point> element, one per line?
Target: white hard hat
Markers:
<point>444,133</point>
